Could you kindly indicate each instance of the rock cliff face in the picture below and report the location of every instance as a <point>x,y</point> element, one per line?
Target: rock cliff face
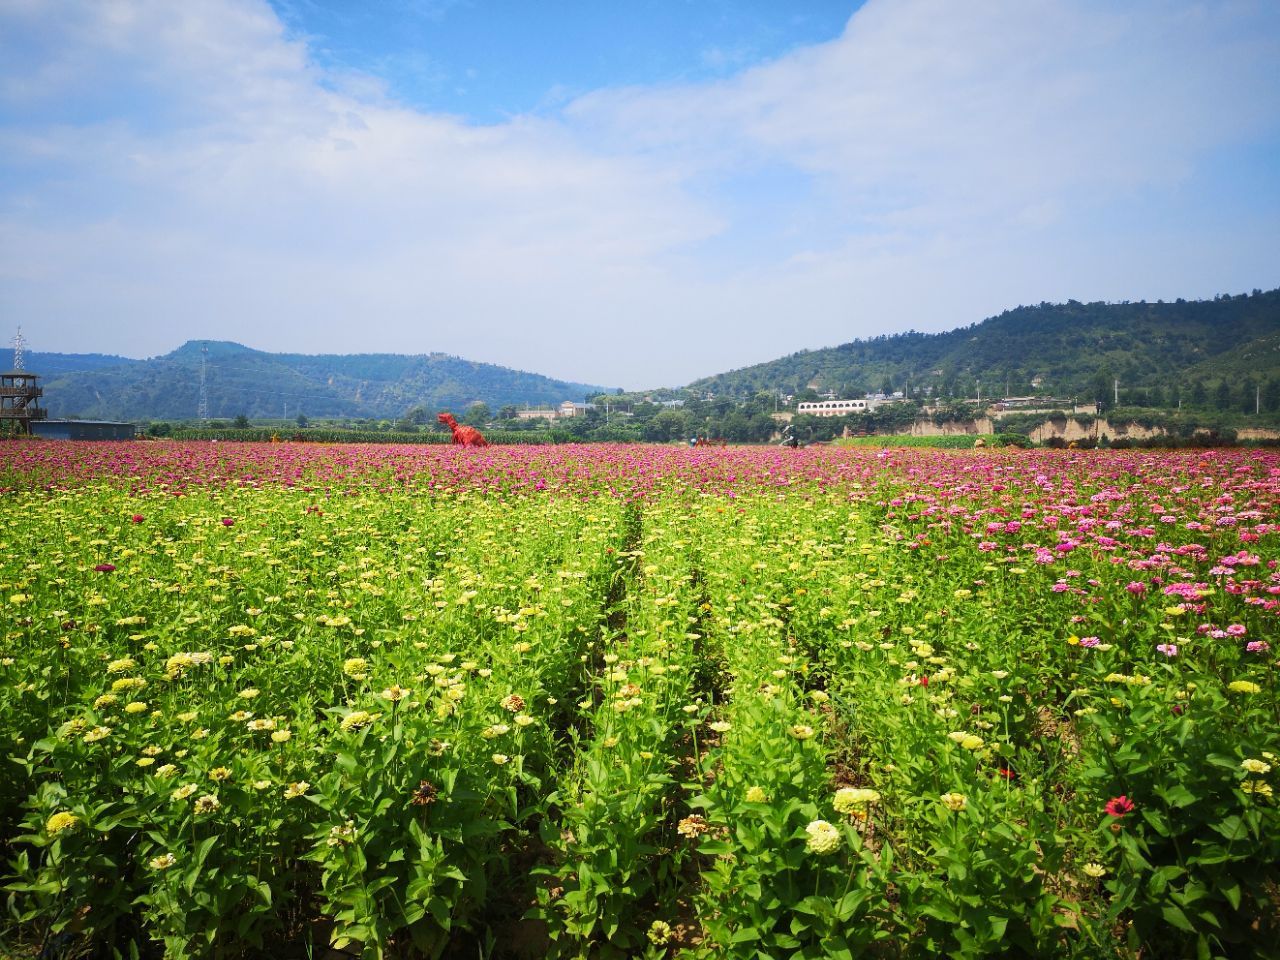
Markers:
<point>1065,429</point>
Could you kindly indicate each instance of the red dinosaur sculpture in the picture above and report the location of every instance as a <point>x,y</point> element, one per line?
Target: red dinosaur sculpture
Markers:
<point>463,435</point>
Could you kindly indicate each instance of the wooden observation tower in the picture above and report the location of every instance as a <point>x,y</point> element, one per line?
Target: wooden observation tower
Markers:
<point>20,394</point>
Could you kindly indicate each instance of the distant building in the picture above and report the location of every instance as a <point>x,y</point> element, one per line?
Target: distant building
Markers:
<point>831,408</point>
<point>840,408</point>
<point>83,430</point>
<point>571,409</point>
<point>535,414</point>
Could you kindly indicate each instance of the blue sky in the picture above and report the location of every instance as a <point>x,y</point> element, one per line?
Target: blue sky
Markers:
<point>633,194</point>
<point>490,61</point>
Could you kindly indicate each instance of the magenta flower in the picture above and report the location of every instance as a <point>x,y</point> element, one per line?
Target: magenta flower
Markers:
<point>1168,649</point>
<point>1119,806</point>
<point>105,568</point>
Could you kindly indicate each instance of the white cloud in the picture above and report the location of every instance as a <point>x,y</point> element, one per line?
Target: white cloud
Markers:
<point>184,170</point>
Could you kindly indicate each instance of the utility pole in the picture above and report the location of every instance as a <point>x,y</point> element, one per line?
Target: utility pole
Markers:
<point>1117,389</point>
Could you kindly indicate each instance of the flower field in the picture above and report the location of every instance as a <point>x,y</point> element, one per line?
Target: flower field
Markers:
<point>638,702</point>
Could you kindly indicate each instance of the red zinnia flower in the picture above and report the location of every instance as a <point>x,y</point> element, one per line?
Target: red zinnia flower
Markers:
<point>105,567</point>
<point>1119,806</point>
<point>138,518</point>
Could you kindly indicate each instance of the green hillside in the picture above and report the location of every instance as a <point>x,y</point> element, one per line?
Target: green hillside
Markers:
<point>258,384</point>
<point>1057,349</point>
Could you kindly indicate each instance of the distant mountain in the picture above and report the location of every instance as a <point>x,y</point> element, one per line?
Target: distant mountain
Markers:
<point>1062,349</point>
<point>52,364</point>
<point>259,384</point>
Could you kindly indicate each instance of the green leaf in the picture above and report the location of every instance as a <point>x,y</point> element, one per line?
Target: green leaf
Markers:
<point>1232,892</point>
<point>1231,827</point>
<point>1175,917</point>
<point>1176,796</point>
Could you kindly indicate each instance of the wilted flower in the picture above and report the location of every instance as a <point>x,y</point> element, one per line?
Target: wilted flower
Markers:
<point>513,703</point>
<point>343,835</point>
<point>1258,788</point>
<point>425,794</point>
<point>692,827</point>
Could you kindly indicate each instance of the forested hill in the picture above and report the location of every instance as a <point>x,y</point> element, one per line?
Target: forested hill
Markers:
<point>257,384</point>
<point>1063,349</point>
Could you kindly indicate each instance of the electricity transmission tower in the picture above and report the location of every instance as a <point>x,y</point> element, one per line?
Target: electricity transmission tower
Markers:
<point>202,410</point>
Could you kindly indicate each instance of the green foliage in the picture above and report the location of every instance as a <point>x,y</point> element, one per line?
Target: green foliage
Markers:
<point>1076,348</point>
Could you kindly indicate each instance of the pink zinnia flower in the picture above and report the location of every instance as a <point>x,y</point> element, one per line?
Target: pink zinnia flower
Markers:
<point>1257,646</point>
<point>1119,806</point>
<point>1089,641</point>
<point>1168,649</point>
<point>228,522</point>
<point>138,518</point>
